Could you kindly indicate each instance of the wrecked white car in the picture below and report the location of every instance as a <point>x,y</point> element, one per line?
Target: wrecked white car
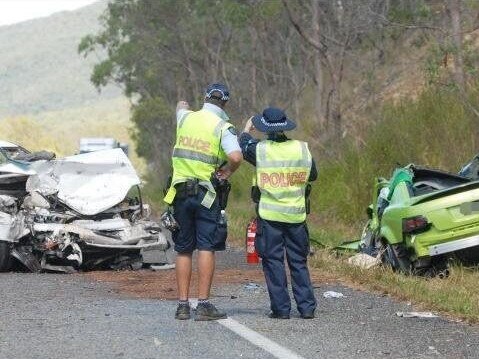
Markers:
<point>78,213</point>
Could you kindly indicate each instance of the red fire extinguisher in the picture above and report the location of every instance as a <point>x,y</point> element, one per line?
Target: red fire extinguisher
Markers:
<point>251,254</point>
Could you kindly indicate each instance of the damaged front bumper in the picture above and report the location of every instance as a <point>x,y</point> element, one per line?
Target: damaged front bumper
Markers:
<point>81,213</point>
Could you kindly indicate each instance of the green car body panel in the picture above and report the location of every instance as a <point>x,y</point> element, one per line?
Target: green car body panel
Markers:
<point>451,213</point>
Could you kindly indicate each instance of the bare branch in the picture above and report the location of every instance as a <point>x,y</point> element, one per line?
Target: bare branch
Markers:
<point>299,29</point>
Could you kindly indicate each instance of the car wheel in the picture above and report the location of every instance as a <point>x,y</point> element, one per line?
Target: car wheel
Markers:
<point>398,257</point>
<point>5,257</point>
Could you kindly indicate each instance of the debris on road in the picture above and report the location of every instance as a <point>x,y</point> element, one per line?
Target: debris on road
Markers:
<point>157,342</point>
<point>80,212</point>
<point>416,315</point>
<point>333,294</point>
<point>162,267</point>
<point>252,286</point>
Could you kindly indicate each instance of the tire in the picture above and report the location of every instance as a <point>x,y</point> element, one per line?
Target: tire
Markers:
<point>397,257</point>
<point>5,257</point>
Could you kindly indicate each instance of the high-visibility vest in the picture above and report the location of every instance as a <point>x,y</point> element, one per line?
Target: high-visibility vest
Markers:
<point>198,152</point>
<point>282,173</point>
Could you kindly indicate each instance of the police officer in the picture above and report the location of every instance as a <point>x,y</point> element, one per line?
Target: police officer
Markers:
<point>284,168</point>
<point>206,153</point>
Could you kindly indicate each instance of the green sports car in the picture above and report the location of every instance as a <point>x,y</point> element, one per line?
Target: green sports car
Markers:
<point>421,218</point>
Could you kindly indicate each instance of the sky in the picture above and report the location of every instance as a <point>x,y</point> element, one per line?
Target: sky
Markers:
<point>13,11</point>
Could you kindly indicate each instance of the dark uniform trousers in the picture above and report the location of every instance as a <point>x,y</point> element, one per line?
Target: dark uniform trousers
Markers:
<point>272,241</point>
<point>200,227</point>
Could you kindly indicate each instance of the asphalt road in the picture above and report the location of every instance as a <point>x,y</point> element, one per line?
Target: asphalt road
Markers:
<point>69,316</point>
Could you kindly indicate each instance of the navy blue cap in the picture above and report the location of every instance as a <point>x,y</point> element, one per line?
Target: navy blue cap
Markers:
<point>217,87</point>
<point>273,120</point>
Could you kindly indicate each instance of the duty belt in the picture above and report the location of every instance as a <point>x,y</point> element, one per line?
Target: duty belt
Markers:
<point>191,186</point>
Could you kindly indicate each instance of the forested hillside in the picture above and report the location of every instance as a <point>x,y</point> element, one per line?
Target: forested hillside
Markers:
<point>40,69</point>
<point>331,65</point>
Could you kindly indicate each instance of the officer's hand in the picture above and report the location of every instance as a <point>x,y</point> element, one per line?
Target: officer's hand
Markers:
<point>224,173</point>
<point>182,105</point>
<point>249,125</point>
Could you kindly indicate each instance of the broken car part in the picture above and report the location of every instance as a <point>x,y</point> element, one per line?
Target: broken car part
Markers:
<point>81,212</point>
<point>416,315</point>
<point>422,218</point>
<point>333,294</point>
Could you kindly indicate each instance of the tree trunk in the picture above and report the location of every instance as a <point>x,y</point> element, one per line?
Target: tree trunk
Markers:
<point>456,18</point>
<point>254,90</point>
<point>321,124</point>
<point>318,75</point>
<point>335,108</point>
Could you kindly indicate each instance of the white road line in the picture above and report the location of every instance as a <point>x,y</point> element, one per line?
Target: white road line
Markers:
<point>259,340</point>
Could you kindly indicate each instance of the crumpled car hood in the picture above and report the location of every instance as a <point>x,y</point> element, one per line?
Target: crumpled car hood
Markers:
<point>88,183</point>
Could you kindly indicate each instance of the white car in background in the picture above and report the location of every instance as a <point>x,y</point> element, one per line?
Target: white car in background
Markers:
<point>92,144</point>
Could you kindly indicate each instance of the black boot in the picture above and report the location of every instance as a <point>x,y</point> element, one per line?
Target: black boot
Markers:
<point>275,315</point>
<point>207,311</point>
<point>183,311</point>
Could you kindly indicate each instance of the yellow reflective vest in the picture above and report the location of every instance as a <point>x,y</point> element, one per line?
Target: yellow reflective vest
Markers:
<point>282,173</point>
<point>198,152</point>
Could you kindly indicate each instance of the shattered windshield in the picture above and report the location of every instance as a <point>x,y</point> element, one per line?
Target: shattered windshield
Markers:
<point>13,152</point>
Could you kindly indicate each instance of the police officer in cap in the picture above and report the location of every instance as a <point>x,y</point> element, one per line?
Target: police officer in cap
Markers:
<point>205,155</point>
<point>284,168</point>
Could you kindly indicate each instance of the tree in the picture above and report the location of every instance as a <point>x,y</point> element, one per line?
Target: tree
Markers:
<point>455,11</point>
<point>163,51</point>
<point>336,28</point>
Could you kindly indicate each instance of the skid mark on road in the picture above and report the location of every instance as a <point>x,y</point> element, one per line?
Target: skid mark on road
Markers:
<point>259,340</point>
